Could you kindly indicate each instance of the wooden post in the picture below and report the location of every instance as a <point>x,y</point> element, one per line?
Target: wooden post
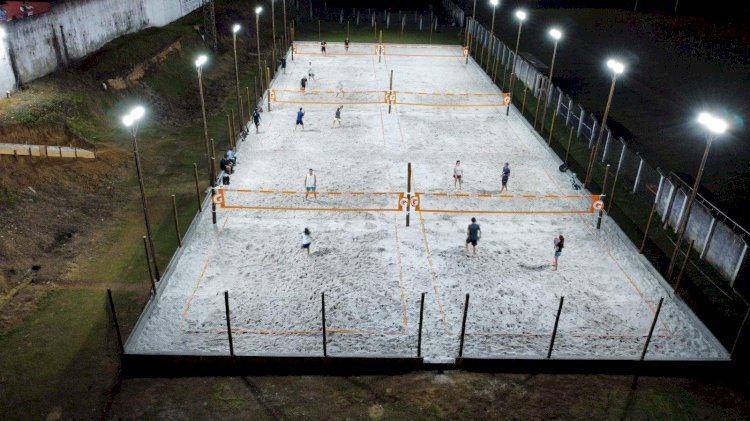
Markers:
<point>213,190</point>
<point>648,227</point>
<point>229,323</point>
<point>390,103</point>
<point>323,311</point>
<point>176,221</point>
<point>408,192</point>
<point>432,18</point>
<point>347,28</point>
<point>213,155</point>
<point>419,336</point>
<point>148,263</point>
<point>463,328</point>
<point>250,106</point>
<point>554,330</point>
<point>229,133</point>
<point>268,85</point>
<point>197,187</point>
<point>684,264</point>
<point>614,184</point>
<point>551,127</point>
<point>255,89</point>
<point>648,340</point>
<point>567,151</point>
<point>375,35</point>
<point>536,113</point>
<point>319,38</point>
<point>114,319</point>
<point>523,104</point>
<point>606,175</point>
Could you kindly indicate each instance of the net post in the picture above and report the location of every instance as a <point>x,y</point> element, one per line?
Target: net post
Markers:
<point>268,85</point>
<point>554,329</point>
<point>148,264</point>
<point>551,127</point>
<point>120,346</point>
<point>432,18</point>
<point>390,92</point>
<point>176,221</point>
<point>323,311</point>
<point>408,192</point>
<point>614,184</point>
<point>197,187</point>
<point>380,44</point>
<point>648,341</point>
<point>229,324</point>
<point>419,335</point>
<point>255,90</point>
<point>463,328</point>
<point>250,107</point>
<point>606,175</point>
<point>684,264</point>
<point>523,104</point>
<point>229,132</point>
<point>648,227</point>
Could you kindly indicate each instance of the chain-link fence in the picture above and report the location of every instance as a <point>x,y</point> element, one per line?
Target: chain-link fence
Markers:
<point>719,253</point>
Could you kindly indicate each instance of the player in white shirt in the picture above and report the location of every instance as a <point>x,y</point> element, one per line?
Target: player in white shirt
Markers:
<point>310,73</point>
<point>311,184</point>
<point>306,240</point>
<point>340,89</point>
<point>458,175</point>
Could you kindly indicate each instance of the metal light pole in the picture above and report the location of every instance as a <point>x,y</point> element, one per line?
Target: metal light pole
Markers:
<point>556,35</point>
<point>199,66</point>
<point>131,122</point>
<point>714,126</point>
<point>617,69</point>
<point>235,29</point>
<point>473,17</point>
<point>494,4</point>
<point>521,16</point>
<point>257,39</point>
<point>286,39</point>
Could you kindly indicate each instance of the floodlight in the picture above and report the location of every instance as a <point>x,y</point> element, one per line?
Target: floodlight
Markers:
<point>714,124</point>
<point>521,15</point>
<point>128,120</point>
<point>555,33</point>
<point>236,28</point>
<point>494,2</point>
<point>137,113</point>
<point>201,61</point>
<point>258,10</point>
<point>616,66</point>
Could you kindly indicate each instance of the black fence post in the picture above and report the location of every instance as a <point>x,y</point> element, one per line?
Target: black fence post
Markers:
<point>323,308</point>
<point>419,336</point>
<point>554,330</point>
<point>114,319</point>
<point>463,328</point>
<point>648,341</point>
<point>229,324</point>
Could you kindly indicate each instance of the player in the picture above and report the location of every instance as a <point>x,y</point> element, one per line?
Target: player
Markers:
<point>300,115</point>
<point>310,73</point>
<point>458,174</point>
<point>559,244</point>
<point>346,44</point>
<point>303,83</point>
<point>306,240</point>
<point>473,234</point>
<point>283,64</point>
<point>311,184</point>
<point>506,176</point>
<point>256,120</point>
<point>340,89</point>
<point>323,47</point>
<point>337,117</point>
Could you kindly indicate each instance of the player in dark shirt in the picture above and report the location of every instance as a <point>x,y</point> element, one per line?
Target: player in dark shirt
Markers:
<point>473,234</point>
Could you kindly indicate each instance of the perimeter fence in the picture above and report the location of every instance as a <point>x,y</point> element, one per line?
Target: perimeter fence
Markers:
<point>648,203</point>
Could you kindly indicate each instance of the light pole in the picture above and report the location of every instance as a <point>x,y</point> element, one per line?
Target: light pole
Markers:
<point>257,39</point>
<point>285,34</point>
<point>131,122</point>
<point>273,35</point>
<point>617,69</point>
<point>521,16</point>
<point>494,4</point>
<point>556,35</point>
<point>473,18</point>
<point>714,126</point>
<point>199,62</point>
<point>236,28</point>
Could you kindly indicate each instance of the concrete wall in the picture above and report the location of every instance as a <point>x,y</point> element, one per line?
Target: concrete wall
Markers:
<point>7,80</point>
<point>76,28</point>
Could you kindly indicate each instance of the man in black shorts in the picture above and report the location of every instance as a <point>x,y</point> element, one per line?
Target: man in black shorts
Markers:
<point>323,47</point>
<point>473,234</point>
<point>346,44</point>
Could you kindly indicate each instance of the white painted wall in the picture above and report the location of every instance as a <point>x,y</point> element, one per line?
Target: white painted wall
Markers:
<point>7,81</point>
<point>39,44</point>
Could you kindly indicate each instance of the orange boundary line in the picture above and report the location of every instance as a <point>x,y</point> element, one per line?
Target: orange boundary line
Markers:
<point>273,208</point>
<point>433,280</point>
<point>534,212</point>
<point>289,192</point>
<point>203,273</point>
<point>401,279</point>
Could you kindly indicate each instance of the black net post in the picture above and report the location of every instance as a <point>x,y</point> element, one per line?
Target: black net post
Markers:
<point>229,324</point>
<point>648,340</point>
<point>323,310</point>
<point>419,335</point>
<point>148,263</point>
<point>463,328</point>
<point>114,320</point>
<point>554,330</point>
